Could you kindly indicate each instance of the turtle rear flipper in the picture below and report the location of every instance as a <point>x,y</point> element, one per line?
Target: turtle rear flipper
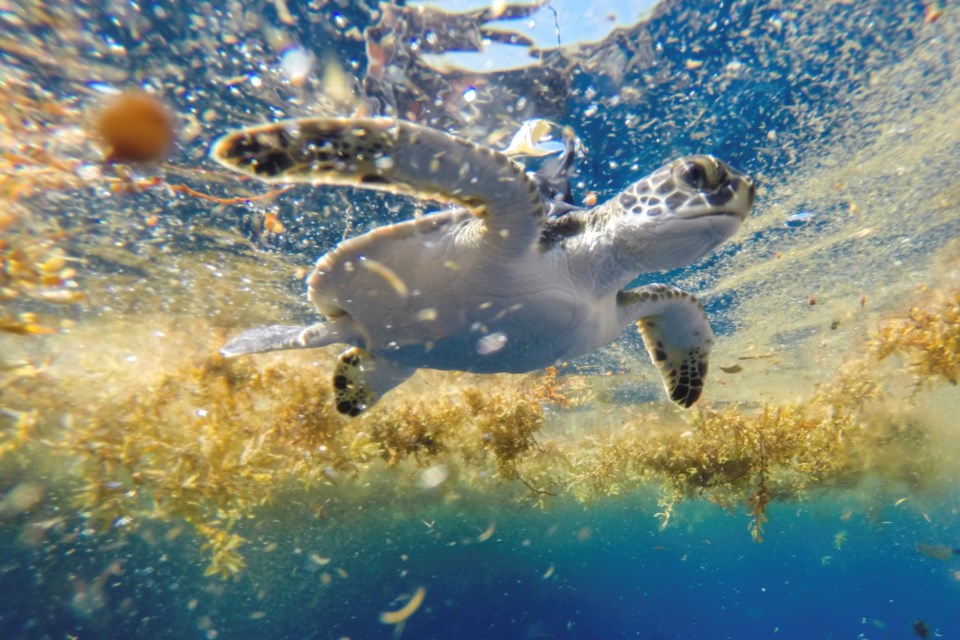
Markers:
<point>281,337</point>
<point>676,333</point>
<point>359,380</point>
<point>398,157</point>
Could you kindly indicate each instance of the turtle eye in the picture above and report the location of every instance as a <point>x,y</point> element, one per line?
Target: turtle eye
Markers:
<point>700,172</point>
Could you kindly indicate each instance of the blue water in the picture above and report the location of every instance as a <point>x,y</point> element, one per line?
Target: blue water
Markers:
<point>615,575</point>
<point>840,565</point>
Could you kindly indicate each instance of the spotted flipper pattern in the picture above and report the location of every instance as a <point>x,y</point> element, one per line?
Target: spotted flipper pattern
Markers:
<point>351,394</point>
<point>397,157</point>
<point>360,379</point>
<point>676,334</point>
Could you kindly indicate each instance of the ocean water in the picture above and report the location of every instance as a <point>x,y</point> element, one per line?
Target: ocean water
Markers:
<point>150,488</point>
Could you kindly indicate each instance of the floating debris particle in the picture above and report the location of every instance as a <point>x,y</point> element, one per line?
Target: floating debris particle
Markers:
<point>283,12</point>
<point>530,139</point>
<point>839,539</point>
<point>400,616</point>
<point>487,534</point>
<point>491,343</point>
<point>799,219</point>
<point>272,224</point>
<point>21,499</point>
<point>735,368</point>
<point>387,274</point>
<point>135,127</point>
<point>427,315</point>
<point>548,573</point>
<point>319,560</point>
<point>433,477</point>
<point>296,65</point>
<point>937,551</point>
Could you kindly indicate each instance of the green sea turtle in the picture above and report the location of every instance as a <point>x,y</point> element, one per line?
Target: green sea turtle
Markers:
<point>512,279</point>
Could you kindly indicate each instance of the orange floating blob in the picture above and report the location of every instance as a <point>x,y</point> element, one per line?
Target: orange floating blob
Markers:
<point>135,127</point>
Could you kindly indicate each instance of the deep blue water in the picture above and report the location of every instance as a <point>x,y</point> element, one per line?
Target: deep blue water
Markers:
<point>615,575</point>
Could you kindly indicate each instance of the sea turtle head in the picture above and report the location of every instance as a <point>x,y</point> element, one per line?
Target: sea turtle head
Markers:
<point>681,211</point>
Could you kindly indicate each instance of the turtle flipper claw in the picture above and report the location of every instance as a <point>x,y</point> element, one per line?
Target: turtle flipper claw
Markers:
<point>359,380</point>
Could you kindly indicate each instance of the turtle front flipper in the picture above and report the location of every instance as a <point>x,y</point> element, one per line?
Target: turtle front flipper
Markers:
<point>359,380</point>
<point>394,156</point>
<point>676,333</point>
<point>281,337</point>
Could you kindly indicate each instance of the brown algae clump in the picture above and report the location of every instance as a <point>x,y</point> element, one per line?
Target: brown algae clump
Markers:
<point>209,441</point>
<point>928,339</point>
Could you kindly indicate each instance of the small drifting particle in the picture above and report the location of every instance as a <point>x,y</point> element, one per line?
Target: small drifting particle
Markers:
<point>433,477</point>
<point>487,534</point>
<point>258,615</point>
<point>799,219</point>
<point>272,224</point>
<point>396,617</point>
<point>296,64</point>
<point>319,560</point>
<point>693,64</point>
<point>21,498</point>
<point>900,502</point>
<point>533,139</point>
<point>590,199</point>
<point>326,579</point>
<point>497,8</point>
<point>735,368</point>
<point>812,301</point>
<point>548,573</point>
<point>427,315</point>
<point>342,572</point>
<point>491,343</point>
<point>388,274</point>
<point>89,172</point>
<point>59,296</point>
<point>283,12</point>
<point>932,12</point>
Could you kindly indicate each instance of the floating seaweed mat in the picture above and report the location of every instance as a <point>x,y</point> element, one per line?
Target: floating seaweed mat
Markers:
<point>145,422</point>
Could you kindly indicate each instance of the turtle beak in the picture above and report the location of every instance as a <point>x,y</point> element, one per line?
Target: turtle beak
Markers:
<point>744,191</point>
